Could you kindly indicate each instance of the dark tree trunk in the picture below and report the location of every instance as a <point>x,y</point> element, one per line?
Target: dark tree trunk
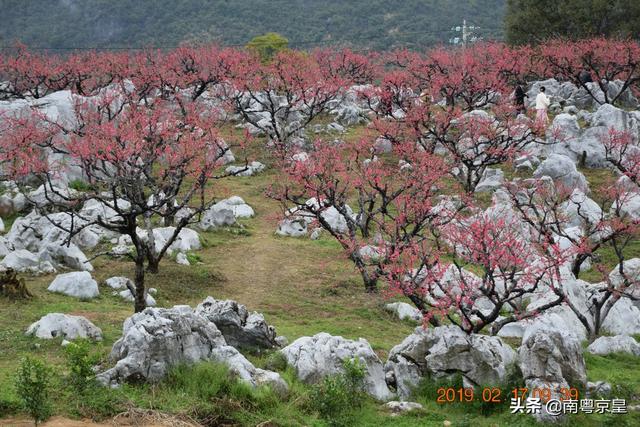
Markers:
<point>139,296</point>
<point>370,283</point>
<point>152,265</point>
<point>577,263</point>
<point>370,279</point>
<point>417,301</point>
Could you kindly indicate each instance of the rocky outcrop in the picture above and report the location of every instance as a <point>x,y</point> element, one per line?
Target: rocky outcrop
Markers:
<point>446,351</point>
<point>403,311</point>
<point>245,170</point>
<point>321,355</point>
<point>563,171</point>
<point>551,359</point>
<point>23,261</point>
<point>240,328</point>
<point>156,339</point>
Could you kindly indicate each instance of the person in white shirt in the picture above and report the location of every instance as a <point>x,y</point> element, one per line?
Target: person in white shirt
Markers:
<point>542,104</point>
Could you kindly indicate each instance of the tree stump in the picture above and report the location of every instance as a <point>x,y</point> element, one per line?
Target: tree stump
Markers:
<point>13,287</point>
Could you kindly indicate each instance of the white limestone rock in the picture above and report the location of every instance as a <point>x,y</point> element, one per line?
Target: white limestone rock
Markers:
<point>55,325</point>
<point>403,311</point>
<point>78,284</point>
<point>604,346</point>
<point>321,355</point>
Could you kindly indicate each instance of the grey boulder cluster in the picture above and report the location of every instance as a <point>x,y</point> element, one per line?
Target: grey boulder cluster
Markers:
<point>225,213</point>
<point>298,220</point>
<point>158,338</point>
<point>240,328</point>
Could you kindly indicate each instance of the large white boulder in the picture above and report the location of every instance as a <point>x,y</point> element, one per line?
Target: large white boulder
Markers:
<point>67,255</point>
<point>631,269</point>
<point>611,117</point>
<point>237,205</point>
<point>552,355</point>
<point>246,170</point>
<point>630,207</point>
<point>225,213</point>
<point>552,360</point>
<point>186,240</point>
<point>34,231</point>
<point>78,284</point>
<point>321,355</point>
<point>603,346</point>
<point>581,211</point>
<point>292,227</point>
<point>623,318</point>
<point>117,282</point>
<point>94,209</point>
<point>403,311</point>
<point>56,194</point>
<point>24,261</point>
<point>69,327</point>
<point>491,180</point>
<point>564,127</point>
<point>215,218</point>
<point>334,219</point>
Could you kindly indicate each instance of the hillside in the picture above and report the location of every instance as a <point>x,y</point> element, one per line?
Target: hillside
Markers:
<point>376,24</point>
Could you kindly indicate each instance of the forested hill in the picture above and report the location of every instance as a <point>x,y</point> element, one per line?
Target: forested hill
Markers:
<point>377,24</point>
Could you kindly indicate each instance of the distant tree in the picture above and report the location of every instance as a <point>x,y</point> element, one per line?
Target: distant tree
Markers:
<point>267,45</point>
<point>623,152</point>
<point>145,160</point>
<point>513,266</point>
<point>606,61</point>
<point>394,198</point>
<point>281,97</point>
<point>546,209</point>
<point>532,21</point>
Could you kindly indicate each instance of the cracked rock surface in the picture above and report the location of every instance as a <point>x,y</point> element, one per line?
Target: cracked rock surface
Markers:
<point>445,351</point>
<point>156,339</point>
<point>321,355</point>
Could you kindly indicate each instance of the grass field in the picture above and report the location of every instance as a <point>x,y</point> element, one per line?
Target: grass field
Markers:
<point>302,286</point>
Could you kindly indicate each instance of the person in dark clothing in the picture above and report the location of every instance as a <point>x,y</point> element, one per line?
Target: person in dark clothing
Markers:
<point>519,96</point>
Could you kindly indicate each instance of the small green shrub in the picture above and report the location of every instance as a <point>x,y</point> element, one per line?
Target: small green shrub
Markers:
<point>276,362</point>
<point>8,406</point>
<point>98,403</point>
<point>79,185</point>
<point>193,258</point>
<point>92,400</point>
<point>80,364</point>
<point>336,397</point>
<point>203,380</point>
<point>33,383</point>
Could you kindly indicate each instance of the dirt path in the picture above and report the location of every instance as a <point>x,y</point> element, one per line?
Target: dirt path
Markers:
<point>149,420</point>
